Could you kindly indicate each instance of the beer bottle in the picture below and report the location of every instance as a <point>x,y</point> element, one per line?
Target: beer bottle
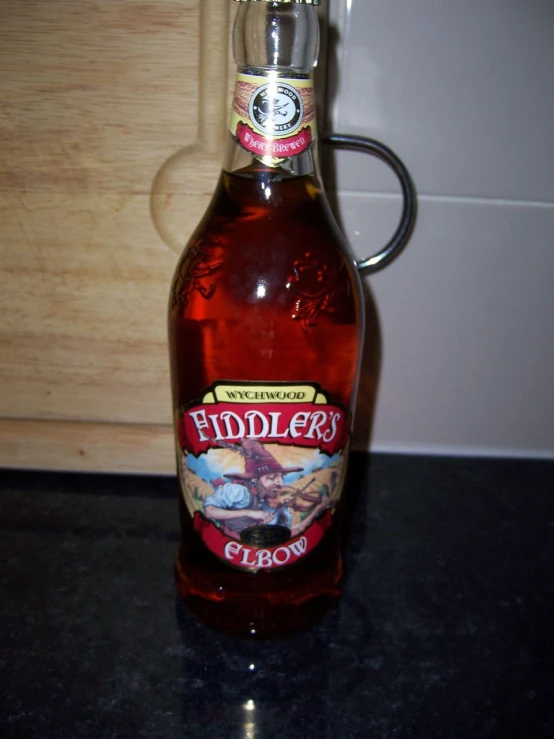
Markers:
<point>265,330</point>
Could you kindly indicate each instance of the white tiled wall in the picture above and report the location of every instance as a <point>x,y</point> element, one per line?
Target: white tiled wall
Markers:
<point>464,93</point>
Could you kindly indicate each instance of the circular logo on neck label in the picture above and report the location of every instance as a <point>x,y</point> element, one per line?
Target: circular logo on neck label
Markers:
<point>276,108</point>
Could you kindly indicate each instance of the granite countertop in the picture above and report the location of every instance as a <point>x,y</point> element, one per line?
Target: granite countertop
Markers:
<point>446,627</point>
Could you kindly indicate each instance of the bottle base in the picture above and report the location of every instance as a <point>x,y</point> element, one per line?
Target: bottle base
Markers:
<point>258,612</point>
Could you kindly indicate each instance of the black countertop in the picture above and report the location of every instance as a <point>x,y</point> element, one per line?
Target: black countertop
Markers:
<point>446,627</point>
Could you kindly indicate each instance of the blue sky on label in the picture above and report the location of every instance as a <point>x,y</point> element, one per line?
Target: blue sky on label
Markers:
<point>206,466</point>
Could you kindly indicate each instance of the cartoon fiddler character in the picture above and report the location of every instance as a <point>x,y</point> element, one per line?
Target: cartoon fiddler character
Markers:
<point>258,496</point>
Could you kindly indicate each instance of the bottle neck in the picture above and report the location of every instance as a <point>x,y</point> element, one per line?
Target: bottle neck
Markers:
<point>272,123</point>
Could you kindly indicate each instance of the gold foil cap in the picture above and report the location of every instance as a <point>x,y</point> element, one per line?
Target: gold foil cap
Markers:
<point>304,2</point>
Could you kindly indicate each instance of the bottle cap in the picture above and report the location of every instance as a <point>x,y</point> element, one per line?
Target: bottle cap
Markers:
<point>304,2</point>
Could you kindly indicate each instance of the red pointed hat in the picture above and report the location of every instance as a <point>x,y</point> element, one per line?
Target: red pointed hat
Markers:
<point>259,462</point>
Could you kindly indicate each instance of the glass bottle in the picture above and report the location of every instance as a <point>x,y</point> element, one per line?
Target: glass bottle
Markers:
<point>265,333</point>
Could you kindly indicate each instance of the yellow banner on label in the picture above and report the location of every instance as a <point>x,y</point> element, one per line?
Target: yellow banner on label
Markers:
<point>265,394</point>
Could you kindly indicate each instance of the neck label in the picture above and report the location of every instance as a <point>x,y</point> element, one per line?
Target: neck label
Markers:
<point>273,117</point>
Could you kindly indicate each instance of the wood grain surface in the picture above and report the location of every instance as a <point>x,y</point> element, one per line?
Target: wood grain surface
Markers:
<point>95,97</point>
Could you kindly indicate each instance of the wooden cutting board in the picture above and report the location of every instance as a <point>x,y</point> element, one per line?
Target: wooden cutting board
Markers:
<point>95,97</point>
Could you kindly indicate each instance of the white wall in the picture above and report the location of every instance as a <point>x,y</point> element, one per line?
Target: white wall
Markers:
<point>464,93</point>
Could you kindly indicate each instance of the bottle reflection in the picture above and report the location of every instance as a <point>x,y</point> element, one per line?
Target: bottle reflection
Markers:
<point>253,689</point>
<point>249,727</point>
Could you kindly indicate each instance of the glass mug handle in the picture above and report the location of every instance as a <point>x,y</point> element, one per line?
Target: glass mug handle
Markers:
<point>409,212</point>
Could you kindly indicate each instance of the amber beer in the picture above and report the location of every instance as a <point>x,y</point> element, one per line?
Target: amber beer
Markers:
<point>265,329</point>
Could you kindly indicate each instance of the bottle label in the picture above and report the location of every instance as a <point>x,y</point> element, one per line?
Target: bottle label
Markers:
<point>273,117</point>
<point>261,469</point>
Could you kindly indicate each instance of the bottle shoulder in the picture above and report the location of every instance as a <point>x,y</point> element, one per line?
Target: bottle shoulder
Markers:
<point>260,251</point>
<point>262,216</point>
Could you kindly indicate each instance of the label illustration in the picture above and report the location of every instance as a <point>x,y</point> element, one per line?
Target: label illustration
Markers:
<point>273,117</point>
<point>261,469</point>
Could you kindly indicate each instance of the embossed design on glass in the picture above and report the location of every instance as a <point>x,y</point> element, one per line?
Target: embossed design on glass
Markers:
<point>317,288</point>
<point>192,276</point>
